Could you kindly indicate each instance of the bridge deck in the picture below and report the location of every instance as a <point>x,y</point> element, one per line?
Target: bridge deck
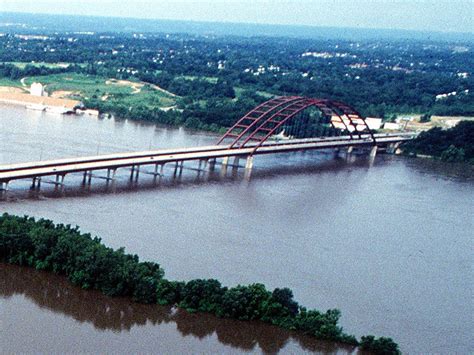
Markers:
<point>113,161</point>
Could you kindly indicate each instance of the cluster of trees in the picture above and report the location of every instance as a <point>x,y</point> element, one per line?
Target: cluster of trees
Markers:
<point>14,72</point>
<point>91,265</point>
<point>211,115</point>
<point>452,145</point>
<point>377,77</point>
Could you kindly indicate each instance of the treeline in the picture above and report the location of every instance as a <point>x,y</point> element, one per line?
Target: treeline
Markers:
<point>14,72</point>
<point>379,78</point>
<point>212,115</point>
<point>452,145</point>
<point>88,263</point>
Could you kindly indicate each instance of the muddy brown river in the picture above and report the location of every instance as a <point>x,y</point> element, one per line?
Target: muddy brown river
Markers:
<point>389,244</point>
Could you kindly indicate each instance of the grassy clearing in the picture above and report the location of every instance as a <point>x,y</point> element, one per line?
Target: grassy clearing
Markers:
<point>90,86</point>
<point>10,82</point>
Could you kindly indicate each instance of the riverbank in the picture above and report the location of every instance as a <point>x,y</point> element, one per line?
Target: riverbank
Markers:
<point>454,145</point>
<point>41,103</point>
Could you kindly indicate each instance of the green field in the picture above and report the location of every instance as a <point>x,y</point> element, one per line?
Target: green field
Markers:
<point>10,82</point>
<point>89,86</point>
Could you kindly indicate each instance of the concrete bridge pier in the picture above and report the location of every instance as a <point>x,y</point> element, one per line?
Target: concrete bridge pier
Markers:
<point>111,176</point>
<point>162,167</point>
<point>225,162</point>
<point>60,179</point>
<point>181,167</point>
<point>4,186</point>
<point>236,163</point>
<point>212,164</point>
<point>248,167</point>
<point>372,154</point>
<point>392,147</point>
<point>36,183</point>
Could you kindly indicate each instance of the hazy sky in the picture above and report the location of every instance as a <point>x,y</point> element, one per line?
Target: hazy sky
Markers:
<point>430,15</point>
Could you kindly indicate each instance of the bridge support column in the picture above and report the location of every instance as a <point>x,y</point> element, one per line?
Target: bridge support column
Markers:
<point>249,163</point>
<point>137,172</point>
<point>175,168</point>
<point>392,147</point>
<point>4,186</point>
<point>248,167</point>
<point>350,149</point>
<point>132,172</point>
<point>60,179</point>
<point>225,161</point>
<point>202,164</point>
<point>36,183</point>
<point>373,152</point>
<point>212,164</point>
<point>236,163</point>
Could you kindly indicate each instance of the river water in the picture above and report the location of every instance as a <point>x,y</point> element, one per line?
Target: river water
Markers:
<point>389,244</point>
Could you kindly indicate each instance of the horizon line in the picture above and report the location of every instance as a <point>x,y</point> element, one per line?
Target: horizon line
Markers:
<point>466,33</point>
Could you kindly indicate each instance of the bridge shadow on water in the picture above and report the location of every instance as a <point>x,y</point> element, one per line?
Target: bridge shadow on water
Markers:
<point>55,293</point>
<point>292,164</point>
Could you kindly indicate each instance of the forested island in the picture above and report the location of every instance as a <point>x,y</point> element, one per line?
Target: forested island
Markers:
<point>89,264</point>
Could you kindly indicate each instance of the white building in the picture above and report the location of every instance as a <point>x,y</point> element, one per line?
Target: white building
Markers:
<point>37,89</point>
<point>373,122</point>
<point>344,122</point>
<point>391,126</point>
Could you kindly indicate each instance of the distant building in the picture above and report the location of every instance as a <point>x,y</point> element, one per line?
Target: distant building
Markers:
<point>391,126</point>
<point>37,89</point>
<point>373,122</point>
<point>343,122</point>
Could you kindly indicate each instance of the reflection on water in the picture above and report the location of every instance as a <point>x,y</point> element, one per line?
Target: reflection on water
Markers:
<point>56,294</point>
<point>314,163</point>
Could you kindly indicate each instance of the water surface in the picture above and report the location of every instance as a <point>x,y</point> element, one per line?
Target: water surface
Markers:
<point>389,243</point>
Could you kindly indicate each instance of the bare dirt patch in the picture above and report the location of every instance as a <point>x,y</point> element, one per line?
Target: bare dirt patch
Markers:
<point>11,89</point>
<point>136,87</point>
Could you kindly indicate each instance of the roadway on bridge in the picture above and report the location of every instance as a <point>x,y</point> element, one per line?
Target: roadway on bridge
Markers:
<point>62,167</point>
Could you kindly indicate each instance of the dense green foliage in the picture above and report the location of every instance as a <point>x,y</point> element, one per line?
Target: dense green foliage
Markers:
<point>219,78</point>
<point>89,264</point>
<point>452,145</point>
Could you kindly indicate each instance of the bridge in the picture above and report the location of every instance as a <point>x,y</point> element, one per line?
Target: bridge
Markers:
<point>260,131</point>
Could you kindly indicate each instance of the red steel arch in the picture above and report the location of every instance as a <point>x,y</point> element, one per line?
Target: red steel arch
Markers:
<point>264,120</point>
